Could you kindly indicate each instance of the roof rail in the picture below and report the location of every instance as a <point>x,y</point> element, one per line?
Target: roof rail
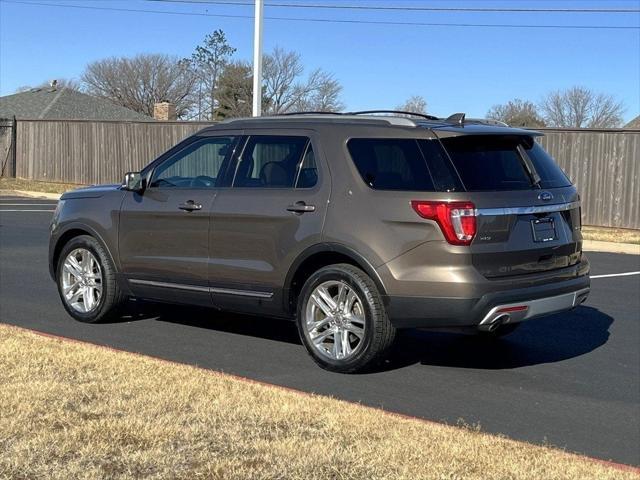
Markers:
<point>311,112</point>
<point>399,112</point>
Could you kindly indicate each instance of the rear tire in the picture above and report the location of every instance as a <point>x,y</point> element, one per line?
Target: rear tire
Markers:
<point>342,321</point>
<point>86,279</point>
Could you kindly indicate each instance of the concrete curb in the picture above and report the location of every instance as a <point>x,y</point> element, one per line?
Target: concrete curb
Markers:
<point>611,247</point>
<point>23,193</point>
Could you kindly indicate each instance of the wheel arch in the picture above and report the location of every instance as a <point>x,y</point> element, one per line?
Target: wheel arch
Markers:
<point>70,232</point>
<point>318,256</point>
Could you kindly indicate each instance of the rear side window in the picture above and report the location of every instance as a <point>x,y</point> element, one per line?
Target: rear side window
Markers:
<point>390,163</point>
<point>270,161</point>
<point>443,174</point>
<point>308,172</point>
<point>494,163</point>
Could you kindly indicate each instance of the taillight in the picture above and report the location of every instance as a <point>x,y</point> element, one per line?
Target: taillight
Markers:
<point>457,220</point>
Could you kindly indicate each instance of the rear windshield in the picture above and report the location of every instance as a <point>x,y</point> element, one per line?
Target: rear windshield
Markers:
<point>494,163</point>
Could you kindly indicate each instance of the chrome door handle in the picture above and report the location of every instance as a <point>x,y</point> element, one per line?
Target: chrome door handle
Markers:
<point>301,207</point>
<point>190,206</point>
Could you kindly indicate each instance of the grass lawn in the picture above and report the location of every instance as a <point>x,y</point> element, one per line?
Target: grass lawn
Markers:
<point>606,234</point>
<point>72,410</point>
<point>34,186</point>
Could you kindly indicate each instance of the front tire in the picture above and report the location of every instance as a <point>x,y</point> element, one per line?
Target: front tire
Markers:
<point>87,282</point>
<point>342,321</point>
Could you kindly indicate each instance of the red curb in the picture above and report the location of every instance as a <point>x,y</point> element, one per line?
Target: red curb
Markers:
<point>619,466</point>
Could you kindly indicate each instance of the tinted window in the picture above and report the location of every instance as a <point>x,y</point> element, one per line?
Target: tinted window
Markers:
<point>308,174</point>
<point>443,174</point>
<point>390,163</point>
<point>494,163</point>
<point>197,165</point>
<point>270,162</point>
<point>551,175</point>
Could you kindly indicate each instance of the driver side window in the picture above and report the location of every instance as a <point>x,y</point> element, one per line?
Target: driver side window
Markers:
<point>196,166</point>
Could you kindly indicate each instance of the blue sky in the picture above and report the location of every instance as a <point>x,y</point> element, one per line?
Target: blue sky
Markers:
<point>465,69</point>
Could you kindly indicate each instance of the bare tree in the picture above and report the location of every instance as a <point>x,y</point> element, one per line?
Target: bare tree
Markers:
<point>207,64</point>
<point>281,70</point>
<point>415,104</point>
<point>285,90</point>
<point>518,113</point>
<point>320,93</point>
<point>140,82</point>
<point>580,107</point>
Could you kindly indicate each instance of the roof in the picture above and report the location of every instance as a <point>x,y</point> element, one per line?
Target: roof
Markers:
<point>63,104</point>
<point>468,127</point>
<point>635,123</point>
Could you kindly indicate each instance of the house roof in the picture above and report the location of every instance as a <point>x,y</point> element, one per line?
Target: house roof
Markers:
<point>63,104</point>
<point>635,123</point>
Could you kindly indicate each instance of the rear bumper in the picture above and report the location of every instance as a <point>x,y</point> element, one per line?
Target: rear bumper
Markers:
<point>524,310</point>
<point>425,312</point>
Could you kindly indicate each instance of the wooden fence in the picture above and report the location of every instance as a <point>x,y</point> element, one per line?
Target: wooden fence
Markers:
<point>604,164</point>
<point>90,152</point>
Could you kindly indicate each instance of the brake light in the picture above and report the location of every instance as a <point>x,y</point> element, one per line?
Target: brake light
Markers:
<point>457,220</point>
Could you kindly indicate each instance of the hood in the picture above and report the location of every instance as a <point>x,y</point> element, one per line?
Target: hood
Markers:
<point>94,191</point>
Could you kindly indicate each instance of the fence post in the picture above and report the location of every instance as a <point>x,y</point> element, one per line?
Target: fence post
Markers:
<point>14,147</point>
<point>9,157</point>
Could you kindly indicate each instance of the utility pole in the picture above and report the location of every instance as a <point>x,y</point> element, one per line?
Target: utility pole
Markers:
<point>257,59</point>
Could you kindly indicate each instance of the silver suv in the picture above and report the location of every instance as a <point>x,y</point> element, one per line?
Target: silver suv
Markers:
<point>354,226</point>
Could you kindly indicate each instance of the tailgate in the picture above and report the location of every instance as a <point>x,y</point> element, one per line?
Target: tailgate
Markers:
<point>516,240</point>
<point>528,213</point>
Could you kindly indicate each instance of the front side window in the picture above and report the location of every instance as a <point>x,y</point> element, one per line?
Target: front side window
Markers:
<point>391,163</point>
<point>198,165</point>
<point>270,161</point>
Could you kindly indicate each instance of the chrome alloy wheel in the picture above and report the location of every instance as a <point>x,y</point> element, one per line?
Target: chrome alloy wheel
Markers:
<point>335,320</point>
<point>81,281</point>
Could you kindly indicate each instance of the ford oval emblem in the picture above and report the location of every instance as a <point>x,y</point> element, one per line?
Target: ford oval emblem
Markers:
<point>545,196</point>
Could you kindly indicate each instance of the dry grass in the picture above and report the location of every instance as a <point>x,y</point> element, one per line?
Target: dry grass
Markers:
<point>35,186</point>
<point>77,411</point>
<point>606,234</point>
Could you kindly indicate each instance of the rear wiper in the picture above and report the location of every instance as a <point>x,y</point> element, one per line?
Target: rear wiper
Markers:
<point>529,167</point>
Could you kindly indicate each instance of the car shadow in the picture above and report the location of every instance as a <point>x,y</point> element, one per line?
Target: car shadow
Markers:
<point>545,340</point>
<point>208,318</point>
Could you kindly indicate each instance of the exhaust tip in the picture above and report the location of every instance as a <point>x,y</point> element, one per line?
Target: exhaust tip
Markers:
<point>498,321</point>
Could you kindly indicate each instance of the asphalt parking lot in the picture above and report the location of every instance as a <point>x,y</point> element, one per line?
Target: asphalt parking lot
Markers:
<point>571,380</point>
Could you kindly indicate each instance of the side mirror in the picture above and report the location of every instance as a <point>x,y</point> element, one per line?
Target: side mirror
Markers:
<point>133,182</point>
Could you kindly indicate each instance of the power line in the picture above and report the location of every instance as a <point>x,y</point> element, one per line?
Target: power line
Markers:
<point>408,8</point>
<point>329,20</point>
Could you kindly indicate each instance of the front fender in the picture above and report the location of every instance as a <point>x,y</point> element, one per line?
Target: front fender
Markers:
<point>98,217</point>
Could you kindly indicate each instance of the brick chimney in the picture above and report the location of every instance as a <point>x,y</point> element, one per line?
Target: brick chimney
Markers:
<point>164,111</point>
